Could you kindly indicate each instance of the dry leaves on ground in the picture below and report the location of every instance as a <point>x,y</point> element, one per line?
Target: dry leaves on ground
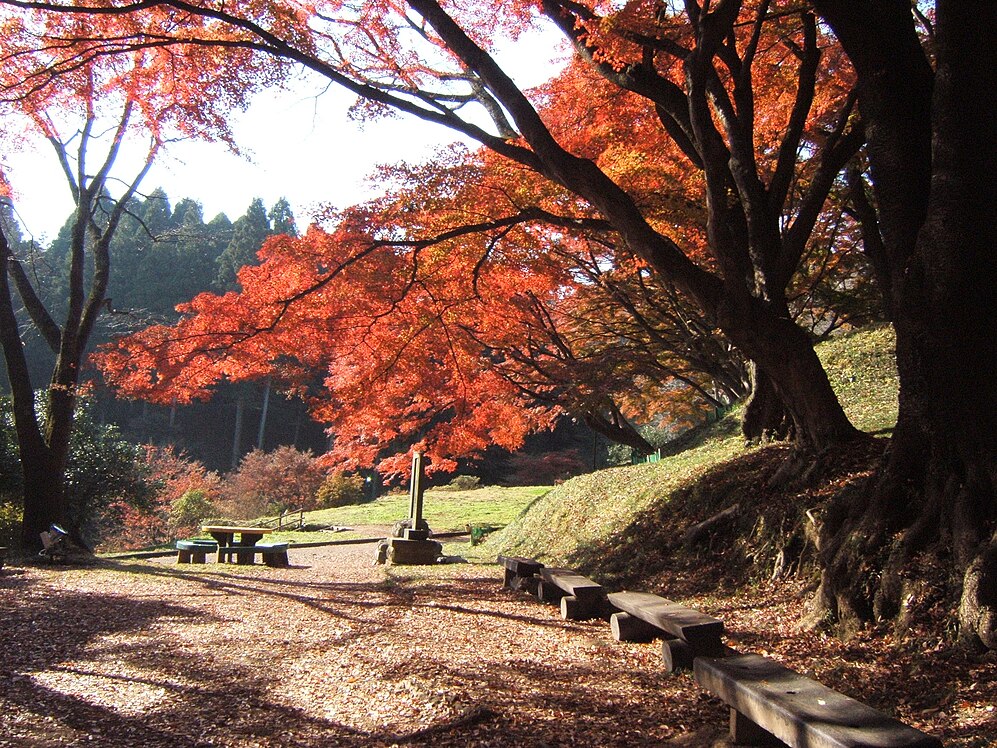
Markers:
<point>336,651</point>
<point>332,651</point>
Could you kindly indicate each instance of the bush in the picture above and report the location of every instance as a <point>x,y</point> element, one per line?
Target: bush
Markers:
<point>171,476</point>
<point>10,522</point>
<point>545,469</point>
<point>104,472</point>
<point>339,489</point>
<point>187,512</point>
<point>272,482</point>
<point>462,483</point>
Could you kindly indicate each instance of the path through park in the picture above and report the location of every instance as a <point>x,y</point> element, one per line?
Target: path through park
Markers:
<point>333,651</point>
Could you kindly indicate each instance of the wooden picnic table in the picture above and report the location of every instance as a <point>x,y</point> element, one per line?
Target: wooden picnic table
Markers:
<point>225,536</point>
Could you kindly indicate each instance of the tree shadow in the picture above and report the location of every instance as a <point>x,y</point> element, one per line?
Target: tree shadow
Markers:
<point>70,655</point>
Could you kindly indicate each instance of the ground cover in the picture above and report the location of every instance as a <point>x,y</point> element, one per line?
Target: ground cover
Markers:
<point>445,510</point>
<point>332,651</point>
<point>337,651</point>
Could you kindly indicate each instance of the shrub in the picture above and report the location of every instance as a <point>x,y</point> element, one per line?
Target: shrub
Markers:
<point>463,483</point>
<point>545,469</point>
<point>272,482</point>
<point>104,472</point>
<point>171,476</point>
<point>187,512</point>
<point>339,489</point>
<point>10,522</point>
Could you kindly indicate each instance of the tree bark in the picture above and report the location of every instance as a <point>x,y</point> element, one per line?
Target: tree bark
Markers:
<point>765,417</point>
<point>617,429</point>
<point>934,496</point>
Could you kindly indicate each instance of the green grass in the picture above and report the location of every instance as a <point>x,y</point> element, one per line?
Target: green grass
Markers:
<point>599,504</point>
<point>862,369</point>
<point>445,511</point>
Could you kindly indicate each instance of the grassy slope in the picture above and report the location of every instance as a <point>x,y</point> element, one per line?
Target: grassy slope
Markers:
<point>594,521</point>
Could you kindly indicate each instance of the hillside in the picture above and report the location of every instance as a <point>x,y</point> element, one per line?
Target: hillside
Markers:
<point>625,525</point>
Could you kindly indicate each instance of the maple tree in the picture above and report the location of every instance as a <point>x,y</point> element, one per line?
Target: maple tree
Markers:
<point>526,325</point>
<point>765,177</point>
<point>87,110</point>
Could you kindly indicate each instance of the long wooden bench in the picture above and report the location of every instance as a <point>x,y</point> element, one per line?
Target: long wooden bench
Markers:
<point>274,554</point>
<point>520,573</point>
<point>768,700</point>
<point>582,598</point>
<point>687,633</point>
<point>194,551</point>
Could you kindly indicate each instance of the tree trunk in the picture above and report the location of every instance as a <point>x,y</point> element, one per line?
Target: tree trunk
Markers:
<point>932,505</point>
<point>44,494</point>
<point>765,417</point>
<point>618,430</point>
<point>240,407</point>
<point>264,411</point>
<point>785,354</point>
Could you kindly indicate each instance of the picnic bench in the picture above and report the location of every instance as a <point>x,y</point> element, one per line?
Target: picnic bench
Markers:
<point>582,598</point>
<point>194,551</point>
<point>520,572</point>
<point>274,554</point>
<point>769,701</point>
<point>687,633</point>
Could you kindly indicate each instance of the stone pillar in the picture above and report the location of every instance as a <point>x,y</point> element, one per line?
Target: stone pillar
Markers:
<point>418,529</point>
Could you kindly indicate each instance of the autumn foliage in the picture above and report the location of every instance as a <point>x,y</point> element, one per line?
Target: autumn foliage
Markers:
<point>477,301</point>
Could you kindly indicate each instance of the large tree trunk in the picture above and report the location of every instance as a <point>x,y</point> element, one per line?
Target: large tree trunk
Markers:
<point>933,504</point>
<point>44,494</point>
<point>785,355</point>
<point>765,417</point>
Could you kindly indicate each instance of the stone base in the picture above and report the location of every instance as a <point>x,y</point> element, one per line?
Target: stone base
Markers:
<point>410,534</point>
<point>405,552</point>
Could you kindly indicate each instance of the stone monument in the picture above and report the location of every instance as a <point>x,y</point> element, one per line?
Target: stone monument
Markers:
<point>413,547</point>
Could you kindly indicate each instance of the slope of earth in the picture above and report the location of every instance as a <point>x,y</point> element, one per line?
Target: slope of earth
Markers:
<point>642,528</point>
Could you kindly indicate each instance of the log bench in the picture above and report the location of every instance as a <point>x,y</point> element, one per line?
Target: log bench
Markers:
<point>194,551</point>
<point>769,703</point>
<point>520,573</point>
<point>274,554</point>
<point>580,597</point>
<point>687,633</point>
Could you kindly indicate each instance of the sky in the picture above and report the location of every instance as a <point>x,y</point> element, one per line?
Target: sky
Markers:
<point>299,144</point>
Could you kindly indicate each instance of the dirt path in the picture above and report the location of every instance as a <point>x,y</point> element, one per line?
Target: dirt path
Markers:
<point>333,651</point>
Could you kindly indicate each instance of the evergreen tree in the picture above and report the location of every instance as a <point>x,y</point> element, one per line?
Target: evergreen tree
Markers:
<point>282,219</point>
<point>248,234</point>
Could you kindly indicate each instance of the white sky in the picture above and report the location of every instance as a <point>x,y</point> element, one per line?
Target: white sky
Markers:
<point>301,144</point>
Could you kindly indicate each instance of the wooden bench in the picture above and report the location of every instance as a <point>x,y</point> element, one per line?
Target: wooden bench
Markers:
<point>582,598</point>
<point>768,700</point>
<point>520,573</point>
<point>3,556</point>
<point>687,633</point>
<point>194,551</point>
<point>274,554</point>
